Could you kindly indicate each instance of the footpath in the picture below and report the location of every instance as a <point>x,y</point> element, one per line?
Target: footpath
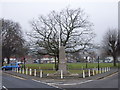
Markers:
<point>51,80</point>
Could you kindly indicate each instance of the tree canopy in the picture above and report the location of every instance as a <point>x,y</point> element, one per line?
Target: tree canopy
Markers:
<point>69,27</point>
<point>12,39</point>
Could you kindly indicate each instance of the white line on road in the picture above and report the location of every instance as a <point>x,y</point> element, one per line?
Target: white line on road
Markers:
<point>74,83</point>
<point>45,83</point>
<point>53,84</point>
<point>4,87</point>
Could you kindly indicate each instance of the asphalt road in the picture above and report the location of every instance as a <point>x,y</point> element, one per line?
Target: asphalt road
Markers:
<point>9,81</point>
<point>108,82</point>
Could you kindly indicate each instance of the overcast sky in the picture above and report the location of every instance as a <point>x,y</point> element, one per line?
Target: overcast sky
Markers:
<point>102,13</point>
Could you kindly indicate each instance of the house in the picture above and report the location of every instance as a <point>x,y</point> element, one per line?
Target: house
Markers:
<point>119,58</point>
<point>108,59</point>
<point>47,59</point>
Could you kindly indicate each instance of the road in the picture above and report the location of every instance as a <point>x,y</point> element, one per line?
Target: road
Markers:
<point>108,82</point>
<point>9,81</point>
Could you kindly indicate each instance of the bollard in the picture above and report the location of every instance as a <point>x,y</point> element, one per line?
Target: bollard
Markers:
<point>96,71</point>
<point>100,71</point>
<point>26,71</point>
<point>30,71</point>
<point>105,69</point>
<point>83,74</point>
<point>20,70</point>
<point>89,72</point>
<point>17,70</point>
<point>40,73</point>
<point>61,74</point>
<point>93,72</point>
<point>34,72</point>
<point>23,71</point>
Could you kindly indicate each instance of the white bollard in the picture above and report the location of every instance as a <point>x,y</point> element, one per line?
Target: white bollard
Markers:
<point>17,70</point>
<point>20,70</point>
<point>34,72</point>
<point>93,72</point>
<point>83,74</point>
<point>105,69</point>
<point>99,70</point>
<point>89,72</point>
<point>23,71</point>
<point>61,74</point>
<point>26,71</point>
<point>30,71</point>
<point>40,73</point>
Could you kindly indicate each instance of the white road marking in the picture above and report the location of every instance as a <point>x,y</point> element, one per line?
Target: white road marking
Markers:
<point>74,83</point>
<point>53,84</point>
<point>109,76</point>
<point>15,76</point>
<point>45,83</point>
<point>4,87</point>
<point>18,77</point>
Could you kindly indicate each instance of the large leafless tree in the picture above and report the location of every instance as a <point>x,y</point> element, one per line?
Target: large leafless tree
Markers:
<point>12,39</point>
<point>70,28</point>
<point>110,44</point>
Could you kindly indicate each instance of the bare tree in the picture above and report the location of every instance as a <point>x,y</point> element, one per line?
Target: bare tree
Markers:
<point>110,44</point>
<point>118,43</point>
<point>12,39</point>
<point>69,28</point>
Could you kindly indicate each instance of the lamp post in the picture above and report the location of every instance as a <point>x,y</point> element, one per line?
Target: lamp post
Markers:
<point>24,62</point>
<point>98,64</point>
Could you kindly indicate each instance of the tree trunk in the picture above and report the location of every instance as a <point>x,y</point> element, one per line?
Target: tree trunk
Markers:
<point>56,66</point>
<point>2,61</point>
<point>114,60</point>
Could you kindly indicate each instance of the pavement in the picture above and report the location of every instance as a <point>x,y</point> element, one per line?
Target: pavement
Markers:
<point>74,82</point>
<point>97,76</point>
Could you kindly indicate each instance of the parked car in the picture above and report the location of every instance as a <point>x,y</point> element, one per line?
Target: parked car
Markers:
<point>11,66</point>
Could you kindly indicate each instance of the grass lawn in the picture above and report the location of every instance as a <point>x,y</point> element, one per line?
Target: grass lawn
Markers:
<point>70,66</point>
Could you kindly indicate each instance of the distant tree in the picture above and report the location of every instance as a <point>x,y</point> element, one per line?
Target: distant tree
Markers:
<point>110,44</point>
<point>69,28</point>
<point>118,43</point>
<point>12,39</point>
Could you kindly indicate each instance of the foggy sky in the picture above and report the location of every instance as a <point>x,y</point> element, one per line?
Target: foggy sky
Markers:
<point>103,14</point>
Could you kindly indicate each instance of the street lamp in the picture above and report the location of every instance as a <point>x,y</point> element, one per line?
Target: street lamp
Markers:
<point>98,64</point>
<point>24,62</point>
